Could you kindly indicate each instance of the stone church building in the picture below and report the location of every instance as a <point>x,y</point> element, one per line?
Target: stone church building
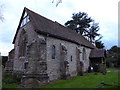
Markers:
<point>47,50</point>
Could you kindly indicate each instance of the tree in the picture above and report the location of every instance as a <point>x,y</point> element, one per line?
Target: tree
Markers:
<point>99,44</point>
<point>84,25</point>
<point>114,49</point>
<point>114,52</point>
<point>113,55</point>
<point>79,23</point>
<point>92,33</point>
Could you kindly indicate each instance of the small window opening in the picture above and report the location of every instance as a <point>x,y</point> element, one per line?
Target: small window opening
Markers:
<point>25,65</point>
<point>71,58</point>
<point>53,52</point>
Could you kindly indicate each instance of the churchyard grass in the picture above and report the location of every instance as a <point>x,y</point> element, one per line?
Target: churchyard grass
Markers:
<point>10,81</point>
<point>12,85</point>
<point>89,80</point>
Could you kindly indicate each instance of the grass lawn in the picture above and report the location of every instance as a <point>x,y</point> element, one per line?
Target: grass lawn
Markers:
<point>13,85</point>
<point>10,81</point>
<point>88,81</point>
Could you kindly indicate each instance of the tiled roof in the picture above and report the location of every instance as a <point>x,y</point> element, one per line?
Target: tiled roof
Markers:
<point>54,29</point>
<point>96,53</point>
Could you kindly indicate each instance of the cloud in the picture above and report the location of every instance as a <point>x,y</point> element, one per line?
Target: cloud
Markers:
<point>109,31</point>
<point>103,11</point>
<point>5,47</point>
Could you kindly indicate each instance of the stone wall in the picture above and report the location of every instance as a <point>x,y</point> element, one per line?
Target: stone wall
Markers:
<point>53,65</point>
<point>31,36</point>
<point>33,64</point>
<point>9,63</point>
<point>86,61</point>
<point>39,55</point>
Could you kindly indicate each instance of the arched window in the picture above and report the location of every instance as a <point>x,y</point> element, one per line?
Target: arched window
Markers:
<point>53,52</point>
<point>84,54</point>
<point>22,43</point>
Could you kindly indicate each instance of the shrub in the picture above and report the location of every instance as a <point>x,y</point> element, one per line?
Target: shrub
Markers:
<point>8,80</point>
<point>17,78</point>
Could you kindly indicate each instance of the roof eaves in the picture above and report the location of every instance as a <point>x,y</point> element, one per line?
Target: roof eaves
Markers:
<point>55,36</point>
<point>58,37</point>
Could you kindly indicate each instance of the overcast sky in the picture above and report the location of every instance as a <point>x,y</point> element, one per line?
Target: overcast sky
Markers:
<point>105,12</point>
